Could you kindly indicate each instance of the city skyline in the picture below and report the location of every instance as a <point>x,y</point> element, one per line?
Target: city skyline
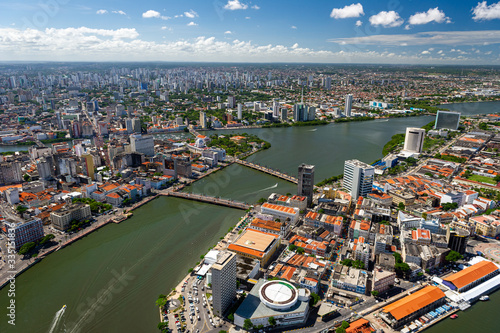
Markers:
<point>252,31</point>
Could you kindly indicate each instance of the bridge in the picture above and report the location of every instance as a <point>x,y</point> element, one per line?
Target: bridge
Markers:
<point>208,199</point>
<point>269,171</point>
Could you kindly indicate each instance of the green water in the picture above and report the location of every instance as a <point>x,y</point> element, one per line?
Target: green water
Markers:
<point>111,279</point>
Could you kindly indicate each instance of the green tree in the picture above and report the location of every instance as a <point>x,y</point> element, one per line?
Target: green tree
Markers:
<point>454,256</point>
<point>163,326</point>
<point>314,299</point>
<point>46,238</point>
<point>272,321</point>
<point>401,206</point>
<point>21,209</point>
<point>340,330</point>
<point>230,317</point>
<point>345,324</point>
<point>26,177</point>
<point>292,247</point>
<point>261,201</point>
<point>300,250</point>
<point>375,293</point>
<point>26,248</point>
<point>247,325</point>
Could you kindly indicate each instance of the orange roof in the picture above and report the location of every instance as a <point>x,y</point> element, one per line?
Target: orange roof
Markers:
<point>471,274</point>
<point>414,302</point>
<point>238,248</point>
<point>113,195</point>
<point>279,208</point>
<point>359,326</point>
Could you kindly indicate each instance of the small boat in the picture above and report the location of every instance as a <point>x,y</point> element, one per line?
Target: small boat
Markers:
<point>454,316</point>
<point>64,306</point>
<point>484,298</point>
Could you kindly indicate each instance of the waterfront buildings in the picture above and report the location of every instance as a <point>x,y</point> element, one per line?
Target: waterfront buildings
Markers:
<point>281,212</point>
<point>414,140</point>
<point>306,182</point>
<point>472,276</point>
<point>358,178</point>
<point>62,218</point>
<point>382,279</point>
<point>223,281</point>
<point>278,299</point>
<point>405,310</point>
<point>24,231</point>
<point>447,120</point>
<point>143,144</point>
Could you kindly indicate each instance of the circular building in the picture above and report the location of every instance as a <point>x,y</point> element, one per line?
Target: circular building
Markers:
<point>278,295</point>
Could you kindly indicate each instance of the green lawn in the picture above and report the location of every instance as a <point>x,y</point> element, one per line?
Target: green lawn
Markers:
<point>482,179</point>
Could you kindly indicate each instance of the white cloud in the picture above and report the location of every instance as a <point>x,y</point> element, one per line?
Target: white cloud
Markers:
<point>192,24</point>
<point>124,45</point>
<point>166,28</point>
<point>484,12</point>
<point>293,27</point>
<point>432,15</point>
<point>228,32</point>
<point>102,11</point>
<point>359,23</point>
<point>388,19</point>
<point>121,12</point>
<point>247,18</point>
<point>191,14</point>
<point>154,14</point>
<point>235,5</point>
<point>354,10</point>
<point>426,52</point>
<point>151,14</point>
<point>427,38</point>
<point>255,7</point>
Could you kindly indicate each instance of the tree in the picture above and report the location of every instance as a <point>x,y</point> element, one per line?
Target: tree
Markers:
<point>401,206</point>
<point>300,250</point>
<point>46,238</point>
<point>26,248</point>
<point>261,201</point>
<point>272,321</point>
<point>26,177</point>
<point>375,293</point>
<point>230,317</point>
<point>247,325</point>
<point>314,299</point>
<point>21,209</point>
<point>340,330</point>
<point>453,256</point>
<point>424,216</point>
<point>163,325</point>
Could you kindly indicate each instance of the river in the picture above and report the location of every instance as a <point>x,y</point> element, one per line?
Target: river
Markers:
<point>110,279</point>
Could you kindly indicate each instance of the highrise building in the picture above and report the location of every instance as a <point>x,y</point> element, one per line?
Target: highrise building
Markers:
<point>358,178</point>
<point>142,144</point>
<point>300,112</point>
<point>447,120</point>
<point>306,182</point>
<point>136,125</point>
<point>348,105</point>
<point>203,119</point>
<point>231,102</point>
<point>414,139</point>
<point>88,160</point>
<point>240,111</point>
<point>44,168</point>
<point>276,108</point>
<point>223,281</point>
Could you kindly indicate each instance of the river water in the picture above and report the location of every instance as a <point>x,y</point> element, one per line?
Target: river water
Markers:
<point>110,279</point>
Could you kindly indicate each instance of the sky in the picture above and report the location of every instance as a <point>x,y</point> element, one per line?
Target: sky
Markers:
<point>315,31</point>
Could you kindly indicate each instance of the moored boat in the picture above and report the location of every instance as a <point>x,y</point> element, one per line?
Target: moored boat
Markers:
<point>454,316</point>
<point>484,298</point>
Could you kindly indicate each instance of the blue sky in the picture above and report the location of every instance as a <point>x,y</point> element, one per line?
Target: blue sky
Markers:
<point>405,31</point>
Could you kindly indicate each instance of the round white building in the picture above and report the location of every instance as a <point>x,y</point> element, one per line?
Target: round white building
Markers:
<point>278,295</point>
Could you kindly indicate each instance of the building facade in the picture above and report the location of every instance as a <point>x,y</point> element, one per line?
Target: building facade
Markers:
<point>358,178</point>
<point>223,282</point>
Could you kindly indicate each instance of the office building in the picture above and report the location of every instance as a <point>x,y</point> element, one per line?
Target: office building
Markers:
<point>306,182</point>
<point>457,239</point>
<point>10,172</point>
<point>284,114</point>
<point>203,119</point>
<point>256,244</point>
<point>240,111</point>
<point>358,178</point>
<point>25,232</point>
<point>44,168</point>
<point>223,282</point>
<point>348,105</point>
<point>133,125</point>
<point>447,120</point>
<point>414,139</point>
<point>88,161</point>
<point>142,144</point>
<point>61,219</point>
<point>299,112</point>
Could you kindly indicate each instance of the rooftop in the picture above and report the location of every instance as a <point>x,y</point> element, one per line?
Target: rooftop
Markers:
<point>255,240</point>
<point>471,274</point>
<point>414,302</point>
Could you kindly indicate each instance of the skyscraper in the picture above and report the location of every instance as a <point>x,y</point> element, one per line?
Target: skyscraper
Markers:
<point>348,105</point>
<point>414,139</point>
<point>142,144</point>
<point>358,178</point>
<point>231,102</point>
<point>447,120</point>
<point>203,119</point>
<point>306,182</point>
<point>223,281</point>
<point>276,108</point>
<point>240,111</point>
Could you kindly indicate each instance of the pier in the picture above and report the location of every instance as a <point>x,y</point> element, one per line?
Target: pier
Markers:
<point>269,171</point>
<point>208,199</point>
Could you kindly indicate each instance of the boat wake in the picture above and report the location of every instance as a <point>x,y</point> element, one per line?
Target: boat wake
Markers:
<point>265,189</point>
<point>57,319</point>
<point>313,130</point>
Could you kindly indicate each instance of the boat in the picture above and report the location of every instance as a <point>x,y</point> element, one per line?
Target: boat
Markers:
<point>64,307</point>
<point>484,298</point>
<point>454,316</point>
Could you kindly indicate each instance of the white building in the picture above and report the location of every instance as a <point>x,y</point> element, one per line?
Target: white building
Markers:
<point>281,212</point>
<point>142,144</point>
<point>358,178</point>
<point>414,139</point>
<point>223,281</point>
<point>348,105</point>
